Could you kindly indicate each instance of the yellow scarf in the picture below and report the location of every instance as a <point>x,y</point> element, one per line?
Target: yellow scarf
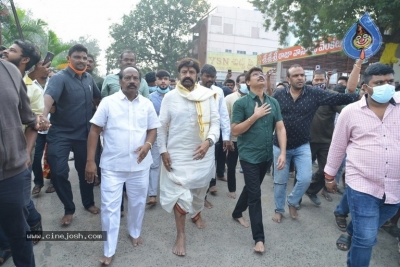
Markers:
<point>199,95</point>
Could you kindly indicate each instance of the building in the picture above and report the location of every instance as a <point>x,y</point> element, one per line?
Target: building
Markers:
<point>230,38</point>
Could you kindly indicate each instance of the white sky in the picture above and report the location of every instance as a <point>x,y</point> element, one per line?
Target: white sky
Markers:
<point>74,18</point>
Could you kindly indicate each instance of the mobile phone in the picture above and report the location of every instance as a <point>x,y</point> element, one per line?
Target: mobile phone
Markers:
<point>49,57</point>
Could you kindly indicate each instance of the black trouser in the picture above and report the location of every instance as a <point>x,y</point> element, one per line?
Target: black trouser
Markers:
<point>251,196</point>
<point>37,159</point>
<point>97,157</point>
<point>15,195</point>
<point>319,151</point>
<point>58,153</point>
<point>232,162</point>
<point>220,158</point>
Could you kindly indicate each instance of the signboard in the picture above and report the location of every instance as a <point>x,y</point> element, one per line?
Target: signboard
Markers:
<point>296,52</point>
<point>229,61</point>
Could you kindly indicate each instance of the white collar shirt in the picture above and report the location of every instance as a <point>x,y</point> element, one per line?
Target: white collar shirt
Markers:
<point>125,124</point>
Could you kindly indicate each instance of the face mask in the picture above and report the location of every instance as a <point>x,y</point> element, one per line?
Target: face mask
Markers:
<point>171,87</point>
<point>321,85</point>
<point>152,89</point>
<point>243,89</point>
<point>163,91</point>
<point>382,93</point>
<point>340,88</point>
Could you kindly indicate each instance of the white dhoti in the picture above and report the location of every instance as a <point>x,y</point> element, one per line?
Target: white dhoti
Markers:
<point>112,183</point>
<point>154,171</point>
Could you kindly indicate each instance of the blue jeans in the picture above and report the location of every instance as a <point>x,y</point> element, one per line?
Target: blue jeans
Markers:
<point>301,157</point>
<point>343,207</point>
<point>368,214</point>
<point>340,171</point>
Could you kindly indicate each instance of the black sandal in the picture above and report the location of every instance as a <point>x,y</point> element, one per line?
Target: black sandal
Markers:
<point>5,255</point>
<point>341,222</point>
<point>343,240</point>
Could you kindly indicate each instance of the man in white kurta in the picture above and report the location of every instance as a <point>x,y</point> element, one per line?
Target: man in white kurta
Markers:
<point>189,128</point>
<point>128,122</point>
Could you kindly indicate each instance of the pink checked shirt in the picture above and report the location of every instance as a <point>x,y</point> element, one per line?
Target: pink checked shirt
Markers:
<point>372,147</point>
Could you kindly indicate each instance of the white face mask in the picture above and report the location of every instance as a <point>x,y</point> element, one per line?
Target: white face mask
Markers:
<point>382,93</point>
<point>243,89</point>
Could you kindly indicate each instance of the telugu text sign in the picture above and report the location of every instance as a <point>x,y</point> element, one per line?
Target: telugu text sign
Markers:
<point>296,52</point>
<point>228,61</point>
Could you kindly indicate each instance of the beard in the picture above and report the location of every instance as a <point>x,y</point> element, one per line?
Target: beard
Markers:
<point>187,82</point>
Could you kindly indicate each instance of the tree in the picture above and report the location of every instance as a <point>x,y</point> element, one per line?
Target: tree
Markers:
<point>157,31</point>
<point>92,44</point>
<point>58,48</point>
<point>311,20</point>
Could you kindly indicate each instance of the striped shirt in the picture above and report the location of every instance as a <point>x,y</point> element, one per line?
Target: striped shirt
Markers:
<point>372,147</point>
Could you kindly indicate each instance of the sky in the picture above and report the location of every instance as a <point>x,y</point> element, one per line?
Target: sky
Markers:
<point>74,18</point>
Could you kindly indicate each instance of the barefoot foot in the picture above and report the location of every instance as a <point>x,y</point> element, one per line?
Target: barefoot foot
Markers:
<point>180,245</point>
<point>67,219</point>
<point>152,201</point>
<point>136,241</point>
<point>208,204</point>
<point>293,212</point>
<point>243,222</point>
<point>93,210</point>
<point>232,194</point>
<point>277,217</point>
<point>105,260</point>
<point>259,247</point>
<point>200,223</point>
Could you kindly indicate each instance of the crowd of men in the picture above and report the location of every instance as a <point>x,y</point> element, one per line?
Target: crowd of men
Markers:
<point>168,141</point>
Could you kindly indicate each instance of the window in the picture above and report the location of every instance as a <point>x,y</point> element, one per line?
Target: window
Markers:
<point>241,52</point>
<point>255,54</point>
<point>228,51</point>
<point>216,20</point>
<point>255,32</point>
<point>228,28</point>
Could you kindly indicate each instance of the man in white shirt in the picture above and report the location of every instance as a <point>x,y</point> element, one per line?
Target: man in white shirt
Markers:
<point>207,75</point>
<point>128,122</point>
<point>189,128</point>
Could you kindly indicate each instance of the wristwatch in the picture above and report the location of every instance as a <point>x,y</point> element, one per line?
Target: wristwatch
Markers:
<point>210,141</point>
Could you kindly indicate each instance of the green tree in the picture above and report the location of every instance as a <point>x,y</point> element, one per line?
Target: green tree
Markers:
<point>157,31</point>
<point>311,20</point>
<point>92,44</point>
<point>32,29</point>
<point>58,48</point>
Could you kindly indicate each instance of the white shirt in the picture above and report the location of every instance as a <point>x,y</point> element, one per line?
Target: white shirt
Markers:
<point>225,122</point>
<point>125,124</point>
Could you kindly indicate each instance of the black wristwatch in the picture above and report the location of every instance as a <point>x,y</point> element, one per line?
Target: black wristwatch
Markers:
<point>210,141</point>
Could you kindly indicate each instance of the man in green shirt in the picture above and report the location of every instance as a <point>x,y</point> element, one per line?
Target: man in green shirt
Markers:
<point>254,119</point>
<point>91,65</point>
<point>111,82</point>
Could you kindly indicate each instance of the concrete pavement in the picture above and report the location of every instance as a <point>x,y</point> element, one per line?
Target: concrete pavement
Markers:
<point>307,241</point>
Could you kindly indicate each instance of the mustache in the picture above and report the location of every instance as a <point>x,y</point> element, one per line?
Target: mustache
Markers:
<point>187,79</point>
<point>132,85</point>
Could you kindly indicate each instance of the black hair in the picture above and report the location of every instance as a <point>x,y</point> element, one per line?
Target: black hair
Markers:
<point>171,79</point>
<point>92,57</point>
<point>291,67</point>
<point>248,74</point>
<point>207,68</point>
<point>189,62</point>
<point>309,83</point>
<point>340,88</point>
<point>229,81</point>
<point>397,88</point>
<point>120,73</point>
<point>280,84</point>
<point>162,73</point>
<point>31,51</point>
<point>319,72</point>
<point>376,69</point>
<point>238,77</point>
<point>150,77</point>
<point>126,52</point>
<point>2,48</point>
<point>77,48</point>
<point>285,82</point>
<point>344,78</point>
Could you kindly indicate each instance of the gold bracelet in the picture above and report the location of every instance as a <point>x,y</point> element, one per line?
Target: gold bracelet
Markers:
<point>151,146</point>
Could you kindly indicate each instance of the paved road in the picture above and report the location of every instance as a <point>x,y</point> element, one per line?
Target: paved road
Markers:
<point>308,241</point>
